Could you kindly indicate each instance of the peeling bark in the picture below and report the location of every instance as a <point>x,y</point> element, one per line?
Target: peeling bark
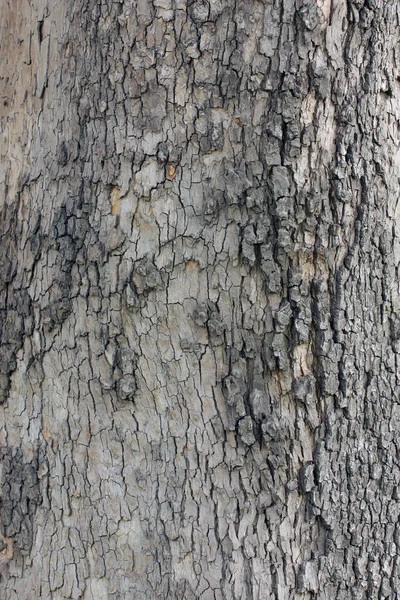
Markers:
<point>199,306</point>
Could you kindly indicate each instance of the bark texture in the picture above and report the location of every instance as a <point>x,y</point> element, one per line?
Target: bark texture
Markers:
<point>199,300</point>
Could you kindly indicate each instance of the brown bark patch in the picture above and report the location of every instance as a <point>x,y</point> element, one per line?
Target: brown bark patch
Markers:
<point>115,201</point>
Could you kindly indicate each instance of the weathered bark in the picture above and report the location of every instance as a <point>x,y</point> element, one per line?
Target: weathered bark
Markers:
<point>199,299</point>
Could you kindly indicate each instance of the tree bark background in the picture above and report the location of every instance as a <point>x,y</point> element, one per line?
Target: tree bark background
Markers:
<point>199,299</point>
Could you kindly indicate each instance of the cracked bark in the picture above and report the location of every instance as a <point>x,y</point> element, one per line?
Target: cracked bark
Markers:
<point>199,305</point>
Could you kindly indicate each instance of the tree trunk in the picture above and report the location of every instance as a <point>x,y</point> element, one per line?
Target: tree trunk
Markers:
<point>199,300</point>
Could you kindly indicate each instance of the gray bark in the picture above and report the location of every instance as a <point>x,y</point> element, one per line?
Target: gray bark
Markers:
<point>199,300</point>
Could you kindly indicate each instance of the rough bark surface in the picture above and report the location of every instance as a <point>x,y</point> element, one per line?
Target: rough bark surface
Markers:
<point>199,299</point>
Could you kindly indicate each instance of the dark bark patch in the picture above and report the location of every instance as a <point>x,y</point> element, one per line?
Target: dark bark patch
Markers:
<point>19,498</point>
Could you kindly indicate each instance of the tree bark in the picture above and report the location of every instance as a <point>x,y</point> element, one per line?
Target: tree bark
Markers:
<point>199,300</point>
